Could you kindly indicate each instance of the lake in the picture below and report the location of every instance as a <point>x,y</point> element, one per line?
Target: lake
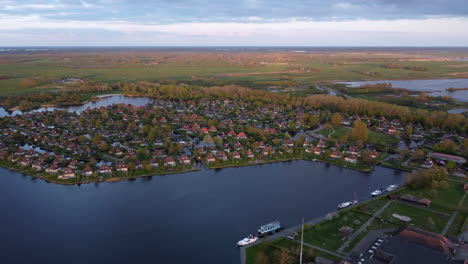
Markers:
<point>437,87</point>
<point>194,217</point>
<point>103,102</point>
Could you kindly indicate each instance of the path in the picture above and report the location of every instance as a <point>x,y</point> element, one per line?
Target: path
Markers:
<point>364,226</point>
<point>321,249</point>
<point>449,223</point>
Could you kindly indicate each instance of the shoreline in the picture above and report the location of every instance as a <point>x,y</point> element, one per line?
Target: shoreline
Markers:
<point>118,179</point>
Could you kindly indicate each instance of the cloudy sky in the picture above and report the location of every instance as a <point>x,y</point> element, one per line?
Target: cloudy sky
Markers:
<point>233,23</point>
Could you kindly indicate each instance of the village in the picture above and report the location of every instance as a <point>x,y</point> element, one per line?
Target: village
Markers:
<point>166,136</point>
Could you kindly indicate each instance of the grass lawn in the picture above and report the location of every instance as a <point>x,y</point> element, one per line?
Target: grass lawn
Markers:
<point>373,206</point>
<point>272,249</point>
<point>374,225</point>
<point>457,225</point>
<point>325,234</point>
<point>420,218</point>
<point>444,198</point>
<point>373,136</point>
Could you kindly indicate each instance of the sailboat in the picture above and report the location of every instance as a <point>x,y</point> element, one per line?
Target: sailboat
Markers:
<point>355,201</point>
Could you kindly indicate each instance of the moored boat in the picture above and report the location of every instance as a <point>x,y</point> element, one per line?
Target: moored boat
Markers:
<point>248,240</point>
<point>376,192</point>
<point>269,228</point>
<point>344,205</point>
<point>391,188</point>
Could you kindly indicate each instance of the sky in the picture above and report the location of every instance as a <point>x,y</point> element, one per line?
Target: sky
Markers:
<point>234,23</point>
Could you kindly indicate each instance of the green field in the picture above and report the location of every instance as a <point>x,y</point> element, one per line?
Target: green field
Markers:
<point>213,67</point>
<point>373,136</point>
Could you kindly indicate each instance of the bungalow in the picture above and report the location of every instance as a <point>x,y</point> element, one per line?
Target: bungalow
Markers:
<point>154,163</point>
<point>68,173</point>
<point>374,154</point>
<point>212,129</point>
<point>236,155</point>
<point>238,146</point>
<point>335,154</point>
<point>321,144</point>
<point>210,158</point>
<point>184,159</point>
<point>241,135</point>
<point>204,130</point>
<point>353,150</point>
<point>87,171</point>
<point>38,165</point>
<point>222,156</point>
<point>169,161</point>
<point>314,149</point>
<point>392,130</point>
<point>73,164</point>
<point>306,143</point>
<point>25,162</point>
<point>351,158</point>
<point>250,154</point>
<point>441,156</point>
<point>105,169</point>
<point>231,133</point>
<point>121,167</point>
<point>268,151</point>
<point>52,169</point>
<point>419,201</point>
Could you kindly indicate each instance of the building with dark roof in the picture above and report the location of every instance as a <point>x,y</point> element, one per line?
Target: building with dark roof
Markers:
<point>411,245</point>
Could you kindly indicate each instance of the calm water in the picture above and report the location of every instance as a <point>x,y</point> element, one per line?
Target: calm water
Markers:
<point>103,102</point>
<point>437,87</point>
<point>185,218</point>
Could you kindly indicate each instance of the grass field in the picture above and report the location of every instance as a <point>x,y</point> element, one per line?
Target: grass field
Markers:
<point>421,218</point>
<point>131,66</point>
<point>373,136</point>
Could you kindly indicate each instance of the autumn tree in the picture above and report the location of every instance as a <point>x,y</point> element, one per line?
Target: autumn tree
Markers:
<point>360,131</point>
<point>336,119</point>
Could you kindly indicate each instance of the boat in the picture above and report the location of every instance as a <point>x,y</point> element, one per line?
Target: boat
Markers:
<point>344,205</point>
<point>376,192</point>
<point>269,228</point>
<point>391,188</point>
<point>353,202</point>
<point>248,240</point>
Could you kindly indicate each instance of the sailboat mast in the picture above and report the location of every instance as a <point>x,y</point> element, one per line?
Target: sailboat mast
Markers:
<point>302,240</point>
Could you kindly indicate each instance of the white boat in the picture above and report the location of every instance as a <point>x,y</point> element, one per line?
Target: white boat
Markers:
<point>248,240</point>
<point>391,188</point>
<point>376,192</point>
<point>353,202</point>
<point>344,205</point>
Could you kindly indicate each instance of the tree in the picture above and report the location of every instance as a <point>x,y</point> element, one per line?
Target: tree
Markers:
<point>409,130</point>
<point>336,119</point>
<point>97,139</point>
<point>360,131</point>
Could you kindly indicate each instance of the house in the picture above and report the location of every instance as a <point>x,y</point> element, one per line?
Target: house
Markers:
<point>105,169</point>
<point>374,154</point>
<point>321,144</point>
<point>53,169</point>
<point>204,130</point>
<point>351,158</point>
<point>314,149</point>
<point>68,173</point>
<point>241,135</point>
<point>184,159</point>
<point>38,165</point>
<point>222,156</point>
<point>236,155</point>
<point>87,171</point>
<point>121,167</point>
<point>335,154</point>
<point>268,151</point>
<point>212,129</point>
<point>25,162</point>
<point>169,161</point>
<point>73,164</point>
<point>415,200</point>
<point>210,158</point>
<point>353,150</point>
<point>154,163</point>
<point>250,154</point>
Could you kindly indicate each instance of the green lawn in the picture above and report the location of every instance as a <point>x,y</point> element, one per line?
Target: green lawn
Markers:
<point>421,218</point>
<point>444,198</point>
<point>373,136</point>
<point>273,248</point>
<point>457,225</point>
<point>325,234</point>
